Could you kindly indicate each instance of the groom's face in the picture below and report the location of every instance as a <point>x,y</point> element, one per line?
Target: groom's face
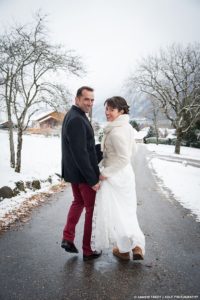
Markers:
<point>85,101</point>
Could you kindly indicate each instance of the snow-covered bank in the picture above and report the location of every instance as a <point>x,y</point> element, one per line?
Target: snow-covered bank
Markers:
<point>41,158</point>
<point>182,180</point>
<point>19,207</point>
<point>186,152</point>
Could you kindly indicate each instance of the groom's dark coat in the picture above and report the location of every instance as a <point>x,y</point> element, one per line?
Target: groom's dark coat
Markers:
<point>79,159</point>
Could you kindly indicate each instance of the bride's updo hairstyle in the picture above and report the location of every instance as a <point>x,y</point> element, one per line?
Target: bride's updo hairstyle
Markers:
<point>119,103</point>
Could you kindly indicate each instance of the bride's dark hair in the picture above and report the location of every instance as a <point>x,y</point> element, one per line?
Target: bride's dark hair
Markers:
<point>119,103</point>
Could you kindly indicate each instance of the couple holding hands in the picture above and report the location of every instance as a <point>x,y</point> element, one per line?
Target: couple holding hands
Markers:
<point>105,188</point>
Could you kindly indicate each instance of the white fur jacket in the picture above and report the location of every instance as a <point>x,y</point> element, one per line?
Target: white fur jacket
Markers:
<point>118,145</point>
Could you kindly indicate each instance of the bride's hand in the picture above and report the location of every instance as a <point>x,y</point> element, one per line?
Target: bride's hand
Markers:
<point>101,177</point>
<point>96,187</point>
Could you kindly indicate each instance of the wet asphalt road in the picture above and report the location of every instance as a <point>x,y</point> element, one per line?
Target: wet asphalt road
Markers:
<point>33,265</point>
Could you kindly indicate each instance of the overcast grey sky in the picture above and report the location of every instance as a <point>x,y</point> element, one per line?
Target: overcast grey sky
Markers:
<point>111,35</point>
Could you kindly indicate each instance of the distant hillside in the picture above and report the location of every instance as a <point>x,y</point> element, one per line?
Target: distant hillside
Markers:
<point>98,112</point>
<point>139,108</point>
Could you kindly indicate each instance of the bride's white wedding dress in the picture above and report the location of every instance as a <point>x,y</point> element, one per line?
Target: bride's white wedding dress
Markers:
<point>115,220</point>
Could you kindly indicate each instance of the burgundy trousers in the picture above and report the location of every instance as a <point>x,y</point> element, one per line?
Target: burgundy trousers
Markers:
<point>84,197</point>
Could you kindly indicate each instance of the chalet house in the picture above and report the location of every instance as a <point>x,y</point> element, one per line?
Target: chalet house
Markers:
<point>4,125</point>
<point>49,120</point>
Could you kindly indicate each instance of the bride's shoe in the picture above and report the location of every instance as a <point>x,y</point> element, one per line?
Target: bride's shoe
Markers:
<point>137,253</point>
<point>124,256</point>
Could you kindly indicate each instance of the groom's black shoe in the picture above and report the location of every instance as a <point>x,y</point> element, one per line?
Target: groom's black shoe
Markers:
<point>94,255</point>
<point>69,246</point>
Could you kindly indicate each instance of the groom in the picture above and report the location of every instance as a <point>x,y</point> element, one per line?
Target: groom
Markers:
<point>80,168</point>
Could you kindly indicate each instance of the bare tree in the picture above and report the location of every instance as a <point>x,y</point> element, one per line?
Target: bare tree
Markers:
<point>38,61</point>
<point>172,78</point>
<point>56,96</point>
<point>154,114</point>
<point>10,65</point>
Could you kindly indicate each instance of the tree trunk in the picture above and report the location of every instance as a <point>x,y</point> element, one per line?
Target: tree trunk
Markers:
<point>156,131</point>
<point>8,98</point>
<point>19,150</point>
<point>155,121</point>
<point>11,141</point>
<point>179,135</point>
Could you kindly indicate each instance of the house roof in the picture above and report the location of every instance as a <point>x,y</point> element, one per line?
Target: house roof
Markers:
<point>47,118</point>
<point>57,116</point>
<point>4,122</point>
<point>42,115</point>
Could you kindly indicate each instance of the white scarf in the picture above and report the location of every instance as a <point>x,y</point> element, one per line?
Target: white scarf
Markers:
<point>118,122</point>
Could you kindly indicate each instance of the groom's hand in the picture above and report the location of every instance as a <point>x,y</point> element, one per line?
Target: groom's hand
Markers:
<point>96,187</point>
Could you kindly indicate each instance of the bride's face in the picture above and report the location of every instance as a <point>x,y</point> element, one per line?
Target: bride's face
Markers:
<point>112,113</point>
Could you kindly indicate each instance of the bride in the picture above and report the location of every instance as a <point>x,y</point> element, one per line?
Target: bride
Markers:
<point>115,220</point>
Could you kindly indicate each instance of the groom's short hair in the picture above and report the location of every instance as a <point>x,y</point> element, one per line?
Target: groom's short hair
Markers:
<point>79,91</point>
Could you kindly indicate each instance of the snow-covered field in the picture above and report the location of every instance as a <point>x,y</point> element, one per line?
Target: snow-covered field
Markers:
<point>41,158</point>
<point>183,180</point>
<point>186,152</point>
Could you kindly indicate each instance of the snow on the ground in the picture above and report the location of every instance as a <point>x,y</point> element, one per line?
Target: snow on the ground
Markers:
<point>182,180</point>
<point>186,152</point>
<point>11,209</point>
<point>41,158</point>
<point>142,133</point>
